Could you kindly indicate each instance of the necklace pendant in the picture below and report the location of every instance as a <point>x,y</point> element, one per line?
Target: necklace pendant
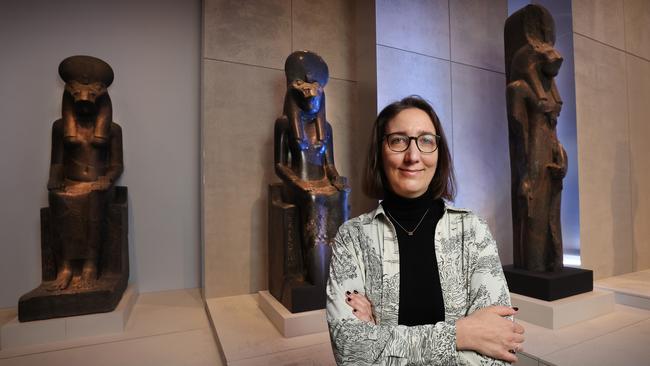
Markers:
<point>410,233</point>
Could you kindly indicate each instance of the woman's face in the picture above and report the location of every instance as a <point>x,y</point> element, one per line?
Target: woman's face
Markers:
<point>410,172</point>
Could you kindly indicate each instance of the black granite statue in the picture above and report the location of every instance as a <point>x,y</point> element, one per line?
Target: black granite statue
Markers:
<point>306,209</point>
<point>84,229</point>
<point>538,161</point>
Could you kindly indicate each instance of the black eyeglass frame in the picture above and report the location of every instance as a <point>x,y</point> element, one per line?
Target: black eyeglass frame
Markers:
<point>411,138</point>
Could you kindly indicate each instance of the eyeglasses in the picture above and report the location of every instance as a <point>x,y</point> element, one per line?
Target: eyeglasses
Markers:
<point>399,142</point>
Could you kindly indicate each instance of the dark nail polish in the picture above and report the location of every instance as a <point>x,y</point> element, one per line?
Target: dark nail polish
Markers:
<point>354,310</point>
<point>347,292</point>
<point>356,292</point>
<point>348,299</point>
<point>515,308</point>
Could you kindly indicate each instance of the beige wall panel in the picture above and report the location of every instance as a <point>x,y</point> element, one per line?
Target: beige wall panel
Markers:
<point>637,27</point>
<point>401,73</point>
<point>602,20</point>
<point>420,26</point>
<point>254,32</point>
<point>604,159</point>
<point>638,83</point>
<point>478,40</point>
<point>241,104</point>
<point>481,155</point>
<point>350,140</point>
<point>366,110</point>
<point>327,27</point>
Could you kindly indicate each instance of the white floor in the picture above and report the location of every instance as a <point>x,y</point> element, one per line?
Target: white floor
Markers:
<point>248,338</point>
<point>166,328</point>
<point>172,328</point>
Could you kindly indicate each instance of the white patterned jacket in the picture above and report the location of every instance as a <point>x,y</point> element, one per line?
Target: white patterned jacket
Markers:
<point>365,258</point>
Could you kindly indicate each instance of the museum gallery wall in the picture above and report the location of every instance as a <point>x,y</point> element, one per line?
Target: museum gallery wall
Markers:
<point>453,56</point>
<point>449,52</point>
<point>420,56</point>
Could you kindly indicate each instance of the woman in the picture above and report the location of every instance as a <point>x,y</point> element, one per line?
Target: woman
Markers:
<point>417,281</point>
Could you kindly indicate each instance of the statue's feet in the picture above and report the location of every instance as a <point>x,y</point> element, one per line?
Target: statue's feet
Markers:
<point>62,280</point>
<point>89,274</point>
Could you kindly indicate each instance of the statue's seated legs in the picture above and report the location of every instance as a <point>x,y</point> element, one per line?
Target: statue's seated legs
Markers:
<point>79,219</point>
<point>84,246</point>
<point>301,230</point>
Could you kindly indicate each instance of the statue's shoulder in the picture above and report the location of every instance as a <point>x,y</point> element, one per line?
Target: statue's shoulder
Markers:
<point>57,125</point>
<point>283,120</point>
<point>281,125</point>
<point>519,88</point>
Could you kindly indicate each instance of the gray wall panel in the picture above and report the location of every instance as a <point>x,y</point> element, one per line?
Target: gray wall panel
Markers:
<point>154,48</point>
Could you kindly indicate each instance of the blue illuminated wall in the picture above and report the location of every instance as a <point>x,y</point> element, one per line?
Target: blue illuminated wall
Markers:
<point>451,53</point>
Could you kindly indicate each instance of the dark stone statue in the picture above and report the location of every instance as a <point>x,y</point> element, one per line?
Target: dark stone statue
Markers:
<point>306,209</point>
<point>538,161</point>
<point>84,229</point>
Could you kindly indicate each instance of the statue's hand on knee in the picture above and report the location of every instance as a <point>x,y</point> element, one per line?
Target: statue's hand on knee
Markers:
<point>340,183</point>
<point>102,184</point>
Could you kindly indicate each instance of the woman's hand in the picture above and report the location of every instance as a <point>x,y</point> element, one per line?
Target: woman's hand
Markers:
<point>487,332</point>
<point>361,306</point>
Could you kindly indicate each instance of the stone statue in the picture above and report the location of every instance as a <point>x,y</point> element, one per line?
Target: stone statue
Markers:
<point>537,159</point>
<point>306,209</point>
<point>84,241</point>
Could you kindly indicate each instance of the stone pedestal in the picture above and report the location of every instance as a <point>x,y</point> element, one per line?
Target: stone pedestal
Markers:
<point>563,312</point>
<point>16,334</point>
<point>288,324</point>
<point>549,286</point>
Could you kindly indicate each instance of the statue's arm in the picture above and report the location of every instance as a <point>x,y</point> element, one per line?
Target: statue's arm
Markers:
<point>330,169</point>
<point>116,165</point>
<point>281,153</point>
<point>517,95</point>
<point>56,179</point>
<point>560,162</point>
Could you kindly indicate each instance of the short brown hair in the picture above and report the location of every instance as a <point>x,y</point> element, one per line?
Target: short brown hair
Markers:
<point>443,183</point>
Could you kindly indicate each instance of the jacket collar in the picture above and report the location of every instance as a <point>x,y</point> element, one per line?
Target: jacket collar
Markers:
<point>380,211</point>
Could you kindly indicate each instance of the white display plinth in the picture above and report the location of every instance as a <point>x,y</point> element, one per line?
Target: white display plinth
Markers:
<point>247,336</point>
<point>291,324</point>
<point>563,312</point>
<point>631,289</point>
<point>16,334</point>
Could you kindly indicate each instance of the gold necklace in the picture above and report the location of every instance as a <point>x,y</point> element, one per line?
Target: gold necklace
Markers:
<point>410,233</point>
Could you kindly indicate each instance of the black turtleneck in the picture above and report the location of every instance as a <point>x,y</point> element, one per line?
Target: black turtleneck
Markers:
<point>420,294</point>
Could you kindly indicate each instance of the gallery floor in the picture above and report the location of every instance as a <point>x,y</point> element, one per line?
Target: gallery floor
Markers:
<point>165,329</point>
<point>172,328</point>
